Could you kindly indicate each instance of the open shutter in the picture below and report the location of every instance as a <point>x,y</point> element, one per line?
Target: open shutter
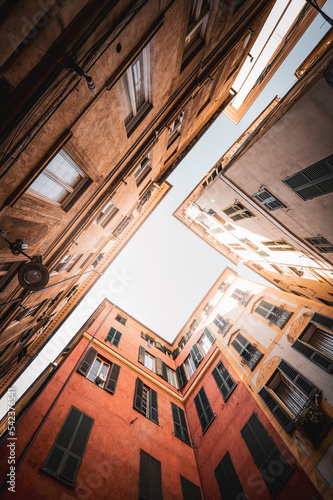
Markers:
<point>116,338</point>
<point>87,361</point>
<point>175,353</point>
<point>161,369</point>
<point>209,335</point>
<point>316,357</point>
<point>240,343</point>
<point>111,383</point>
<point>138,395</point>
<point>153,406</point>
<point>228,482</point>
<point>196,355</point>
<point>322,320</point>
<point>301,382</point>
<point>142,353</point>
<point>281,415</point>
<point>312,181</point>
<point>190,491</point>
<point>181,376</point>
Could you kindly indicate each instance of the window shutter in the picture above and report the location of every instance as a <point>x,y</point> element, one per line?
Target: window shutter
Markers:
<point>240,343</point>
<point>224,381</point>
<point>317,358</point>
<point>228,482</point>
<point>113,336</point>
<point>268,200</point>
<point>209,335</point>
<point>153,406</point>
<point>142,353</point>
<point>179,424</point>
<point>322,320</point>
<point>301,382</point>
<point>161,369</point>
<point>150,485</point>
<point>190,491</point>
<point>281,415</point>
<point>138,395</point>
<point>113,378</point>
<point>313,181</point>
<point>144,485</point>
<point>267,457</point>
<point>156,480</point>
<point>87,361</point>
<point>181,376</point>
<point>196,355</point>
<point>175,353</point>
<point>66,454</point>
<point>203,408</point>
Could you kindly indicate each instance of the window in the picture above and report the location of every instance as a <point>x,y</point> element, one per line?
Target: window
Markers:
<point>224,380</point>
<point>179,424</point>
<point>208,309</point>
<point>181,376</point>
<point>145,401</point>
<point>316,342</point>
<point>237,246</point>
<point>113,337</point>
<point>121,319</point>
<point>100,372</point>
<point>286,393</point>
<point>97,260</point>
<point>241,296</point>
<point>28,311</point>
<point>222,324</point>
<point>106,214</point>
<point>150,482</point>
<point>66,454</point>
<point>190,366</point>
<point>204,411</point>
<point>312,181</point>
<point>175,128</point>
<point>279,246</point>
<point>7,272</point>
<point>266,455</point>
<point>196,29</point>
<point>237,212</point>
<point>227,480</point>
<point>171,374</point>
<point>248,352</point>
<point>60,183</point>
<point>206,341</point>
<point>275,315</point>
<point>146,359</point>
<point>321,244</point>
<point>268,200</point>
<point>67,263</point>
<point>142,170</point>
<point>85,262</point>
<point>190,491</point>
<point>137,90</point>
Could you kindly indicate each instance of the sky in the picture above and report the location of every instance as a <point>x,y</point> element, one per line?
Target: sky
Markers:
<point>165,270</point>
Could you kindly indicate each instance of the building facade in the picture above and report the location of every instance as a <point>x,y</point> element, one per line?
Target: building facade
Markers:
<point>268,199</point>
<point>221,412</point>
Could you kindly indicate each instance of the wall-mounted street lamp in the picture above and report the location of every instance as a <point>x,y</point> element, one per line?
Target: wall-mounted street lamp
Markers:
<point>33,275</point>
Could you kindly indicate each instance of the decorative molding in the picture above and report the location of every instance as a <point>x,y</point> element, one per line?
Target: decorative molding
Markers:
<point>298,326</point>
<point>266,371</point>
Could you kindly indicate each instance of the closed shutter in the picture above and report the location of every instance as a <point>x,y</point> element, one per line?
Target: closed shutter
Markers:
<point>138,395</point>
<point>150,484</point>
<point>267,457</point>
<point>190,491</point>
<point>268,200</point>
<point>142,353</point>
<point>204,409</point>
<point>111,383</point>
<point>87,361</point>
<point>316,357</point>
<point>322,320</point>
<point>315,180</point>
<point>196,355</point>
<point>161,368</point>
<point>301,382</point>
<point>175,353</point>
<point>66,454</point>
<point>224,381</point>
<point>181,376</point>
<point>179,424</point>
<point>281,415</point>
<point>228,482</point>
<point>209,335</point>
<point>113,337</point>
<point>153,406</point>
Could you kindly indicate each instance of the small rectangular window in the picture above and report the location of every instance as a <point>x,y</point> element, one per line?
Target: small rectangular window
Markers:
<point>106,214</point>
<point>279,246</point>
<point>102,373</point>
<point>224,380</point>
<point>206,341</point>
<point>175,128</point>
<point>204,410</point>
<point>120,319</point>
<point>248,352</point>
<point>222,324</point>
<point>150,482</point>
<point>67,263</point>
<point>113,337</point>
<point>275,315</point>
<point>241,296</point>
<point>268,200</point>
<point>237,212</point>
<point>321,244</point>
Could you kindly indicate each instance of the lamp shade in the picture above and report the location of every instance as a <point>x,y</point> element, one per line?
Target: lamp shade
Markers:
<point>33,276</point>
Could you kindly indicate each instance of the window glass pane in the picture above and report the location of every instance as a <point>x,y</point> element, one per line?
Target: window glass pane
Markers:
<point>94,370</point>
<point>138,81</point>
<point>49,188</point>
<point>61,167</point>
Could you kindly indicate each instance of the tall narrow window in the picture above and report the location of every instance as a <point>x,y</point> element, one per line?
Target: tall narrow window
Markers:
<point>142,170</point>
<point>181,376</point>
<point>121,319</point>
<point>99,371</point>
<point>67,263</point>
<point>60,182</point>
<point>146,359</point>
<point>113,337</point>
<point>150,483</point>
<point>145,401</point>
<point>175,128</point>
<point>190,490</point>
<point>249,353</point>
<point>266,455</point>
<point>196,29</point>
<point>206,341</point>
<point>136,89</point>
<point>313,181</point>
<point>66,454</point>
<point>190,366</point>
<point>106,214</point>
<point>226,476</point>
<point>204,410</point>
<point>275,315</point>
<point>224,380</point>
<point>179,424</point>
<point>222,324</point>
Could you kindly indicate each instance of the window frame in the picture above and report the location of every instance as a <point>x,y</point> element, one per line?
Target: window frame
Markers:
<point>198,19</point>
<point>269,201</point>
<point>226,380</point>
<point>204,410</point>
<point>106,214</point>
<point>143,169</point>
<point>174,129</point>
<point>112,375</point>
<point>249,353</point>
<point>276,315</point>
<point>113,336</point>
<point>152,466</point>
<point>148,406</point>
<point>323,247</point>
<point>180,424</point>
<point>190,491</point>
<point>227,479</point>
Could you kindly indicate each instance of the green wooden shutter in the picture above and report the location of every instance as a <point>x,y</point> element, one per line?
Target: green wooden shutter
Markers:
<point>281,415</point>
<point>111,383</point>
<point>142,353</point>
<point>268,200</point>
<point>138,395</point>
<point>316,357</point>
<point>66,454</point>
<point>228,482</point>
<point>113,336</point>
<point>179,424</point>
<point>161,369</point>
<point>209,335</point>
<point>203,408</point>
<point>224,380</point>
<point>196,355</point>
<point>87,361</point>
<point>181,376</point>
<point>190,491</point>
<point>267,457</point>
<point>301,382</point>
<point>150,483</point>
<point>175,353</point>
<point>153,406</point>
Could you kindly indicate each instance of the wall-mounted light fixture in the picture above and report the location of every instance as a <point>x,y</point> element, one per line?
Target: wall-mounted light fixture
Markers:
<point>33,275</point>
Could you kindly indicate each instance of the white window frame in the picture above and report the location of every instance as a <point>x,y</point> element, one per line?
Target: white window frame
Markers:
<point>198,17</point>
<point>149,361</point>
<point>189,366</point>
<point>99,375</point>
<point>107,213</point>
<point>172,379</point>
<point>143,169</point>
